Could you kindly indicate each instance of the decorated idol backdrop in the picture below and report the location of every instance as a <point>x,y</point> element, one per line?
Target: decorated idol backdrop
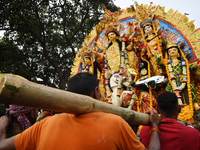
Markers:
<point>141,51</point>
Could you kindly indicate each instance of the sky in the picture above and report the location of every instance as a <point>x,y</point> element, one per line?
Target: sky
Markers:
<point>190,7</point>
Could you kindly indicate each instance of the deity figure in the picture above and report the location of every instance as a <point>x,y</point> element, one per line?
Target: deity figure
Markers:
<point>117,55</point>
<point>153,41</point>
<point>113,51</point>
<point>145,84</point>
<point>154,45</point>
<point>179,77</point>
<point>88,63</point>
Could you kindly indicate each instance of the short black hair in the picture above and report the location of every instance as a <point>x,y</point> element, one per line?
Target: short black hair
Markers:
<point>82,83</point>
<point>167,102</point>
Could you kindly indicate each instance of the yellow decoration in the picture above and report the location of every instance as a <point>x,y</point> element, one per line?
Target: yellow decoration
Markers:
<point>132,71</point>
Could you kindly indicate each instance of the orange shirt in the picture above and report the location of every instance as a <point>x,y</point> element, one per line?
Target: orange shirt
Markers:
<point>93,131</point>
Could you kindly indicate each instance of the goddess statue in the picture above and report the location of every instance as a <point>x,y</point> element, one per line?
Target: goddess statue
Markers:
<point>88,63</point>
<point>117,56</point>
<point>178,73</point>
<point>154,42</point>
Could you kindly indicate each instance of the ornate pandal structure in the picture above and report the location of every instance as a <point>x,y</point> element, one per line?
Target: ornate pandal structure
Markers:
<point>178,24</point>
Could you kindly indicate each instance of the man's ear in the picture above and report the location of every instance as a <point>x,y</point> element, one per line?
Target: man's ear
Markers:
<point>158,110</point>
<point>179,108</point>
<point>32,114</point>
<point>97,93</point>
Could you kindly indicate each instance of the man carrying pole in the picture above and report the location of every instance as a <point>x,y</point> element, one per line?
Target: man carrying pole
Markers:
<point>95,130</point>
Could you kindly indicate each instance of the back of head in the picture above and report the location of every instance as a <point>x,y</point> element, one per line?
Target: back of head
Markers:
<point>167,103</point>
<point>82,83</point>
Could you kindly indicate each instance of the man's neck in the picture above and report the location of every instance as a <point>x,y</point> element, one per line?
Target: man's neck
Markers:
<point>171,117</point>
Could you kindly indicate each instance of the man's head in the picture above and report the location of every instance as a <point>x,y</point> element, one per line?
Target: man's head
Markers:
<point>84,83</point>
<point>168,104</point>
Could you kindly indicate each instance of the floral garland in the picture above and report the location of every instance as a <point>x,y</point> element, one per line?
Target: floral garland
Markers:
<point>108,94</point>
<point>149,75</point>
<point>121,72</point>
<point>188,88</point>
<point>133,89</point>
<point>157,39</point>
<point>186,79</point>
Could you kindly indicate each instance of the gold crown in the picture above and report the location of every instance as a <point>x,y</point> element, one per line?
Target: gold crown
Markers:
<point>85,51</point>
<point>170,44</point>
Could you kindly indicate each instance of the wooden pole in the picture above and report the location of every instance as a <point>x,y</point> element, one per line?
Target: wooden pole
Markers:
<point>18,91</point>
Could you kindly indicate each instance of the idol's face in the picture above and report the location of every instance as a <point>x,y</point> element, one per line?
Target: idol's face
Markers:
<point>112,36</point>
<point>148,29</point>
<point>173,52</point>
<point>87,60</point>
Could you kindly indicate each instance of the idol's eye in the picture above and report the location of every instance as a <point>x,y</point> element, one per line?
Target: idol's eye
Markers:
<point>116,76</point>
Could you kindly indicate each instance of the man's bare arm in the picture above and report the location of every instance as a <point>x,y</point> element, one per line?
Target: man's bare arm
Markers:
<point>5,144</point>
<point>155,141</point>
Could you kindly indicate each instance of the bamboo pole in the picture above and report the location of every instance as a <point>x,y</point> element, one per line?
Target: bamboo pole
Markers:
<point>18,91</point>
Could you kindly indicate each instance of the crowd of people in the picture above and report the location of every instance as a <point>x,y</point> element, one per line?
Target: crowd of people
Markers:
<point>96,130</point>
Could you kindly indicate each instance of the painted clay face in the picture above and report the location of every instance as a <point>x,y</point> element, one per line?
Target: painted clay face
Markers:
<point>87,60</point>
<point>112,36</point>
<point>173,52</point>
<point>148,29</point>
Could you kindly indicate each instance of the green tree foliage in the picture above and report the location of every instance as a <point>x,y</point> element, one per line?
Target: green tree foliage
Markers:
<point>41,36</point>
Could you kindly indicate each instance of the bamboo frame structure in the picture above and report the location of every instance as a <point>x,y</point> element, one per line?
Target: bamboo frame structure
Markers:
<point>18,91</point>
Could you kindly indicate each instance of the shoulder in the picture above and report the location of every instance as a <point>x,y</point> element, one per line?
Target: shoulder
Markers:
<point>106,116</point>
<point>190,130</point>
<point>110,119</point>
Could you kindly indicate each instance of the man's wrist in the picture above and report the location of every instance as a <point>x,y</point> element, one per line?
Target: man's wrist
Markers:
<point>154,125</point>
<point>154,129</point>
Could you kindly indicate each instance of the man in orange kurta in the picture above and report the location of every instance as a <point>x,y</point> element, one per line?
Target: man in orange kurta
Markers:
<point>95,131</point>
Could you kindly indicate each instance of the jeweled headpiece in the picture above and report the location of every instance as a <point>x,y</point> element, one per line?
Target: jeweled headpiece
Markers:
<point>85,51</point>
<point>170,44</point>
<point>112,30</point>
